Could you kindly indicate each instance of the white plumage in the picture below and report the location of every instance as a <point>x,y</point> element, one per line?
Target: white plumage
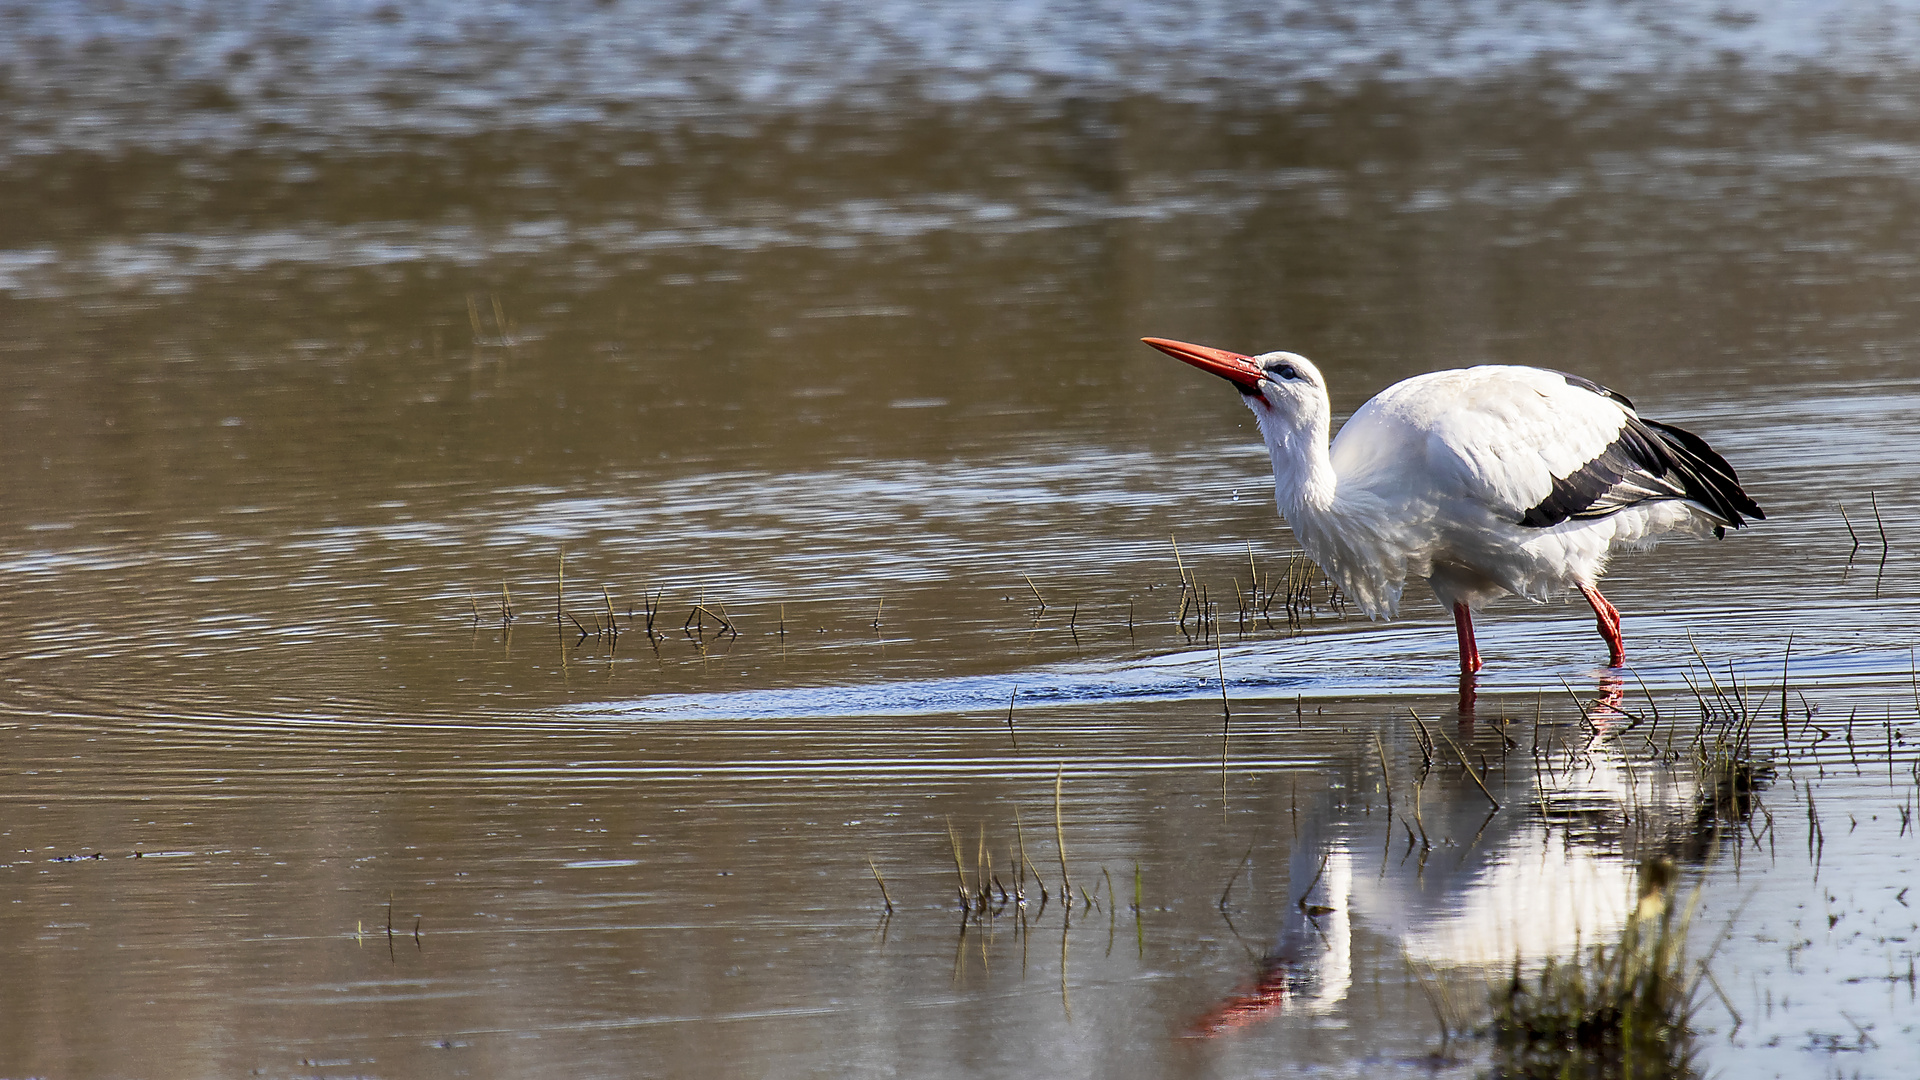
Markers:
<point>1483,481</point>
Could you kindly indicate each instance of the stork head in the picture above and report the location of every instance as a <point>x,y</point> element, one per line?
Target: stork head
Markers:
<point>1284,390</point>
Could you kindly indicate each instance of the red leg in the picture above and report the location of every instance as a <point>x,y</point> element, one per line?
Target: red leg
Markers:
<point>1609,619</point>
<point>1469,651</point>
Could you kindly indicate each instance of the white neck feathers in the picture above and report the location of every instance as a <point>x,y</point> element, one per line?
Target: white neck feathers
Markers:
<point>1341,530</point>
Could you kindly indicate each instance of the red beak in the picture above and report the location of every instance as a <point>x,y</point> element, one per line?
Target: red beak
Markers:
<point>1239,370</point>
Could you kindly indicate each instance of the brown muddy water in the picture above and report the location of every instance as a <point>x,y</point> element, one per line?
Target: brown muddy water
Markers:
<point>327,331</point>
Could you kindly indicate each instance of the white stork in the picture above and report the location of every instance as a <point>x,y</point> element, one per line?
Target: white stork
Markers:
<point>1483,480</point>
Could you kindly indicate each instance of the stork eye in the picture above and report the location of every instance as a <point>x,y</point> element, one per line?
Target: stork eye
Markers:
<point>1286,371</point>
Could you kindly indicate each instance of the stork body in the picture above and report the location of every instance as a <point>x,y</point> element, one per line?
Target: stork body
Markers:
<point>1483,481</point>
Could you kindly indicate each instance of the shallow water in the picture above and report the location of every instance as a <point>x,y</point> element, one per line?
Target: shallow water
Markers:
<point>326,333</point>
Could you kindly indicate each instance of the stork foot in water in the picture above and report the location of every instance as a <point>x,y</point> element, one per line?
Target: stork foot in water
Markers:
<point>1608,617</point>
<point>1469,649</point>
<point>1484,480</point>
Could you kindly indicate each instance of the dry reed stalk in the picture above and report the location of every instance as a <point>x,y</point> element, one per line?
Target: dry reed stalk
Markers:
<point>1020,836</point>
<point>1228,891</point>
<point>1426,740</point>
<point>1186,583</point>
<point>1386,774</point>
<point>980,869</point>
<point>1469,766</point>
<point>959,872</point>
<point>1036,592</point>
<point>1060,834</point>
<point>1226,711</point>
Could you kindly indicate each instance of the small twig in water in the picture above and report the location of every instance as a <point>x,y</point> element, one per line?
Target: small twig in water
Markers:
<point>1317,875</point>
<point>1060,834</point>
<point>959,871</point>
<point>1426,738</point>
<point>1469,765</point>
<point>1036,592</point>
<point>1386,775</point>
<point>888,900</point>
<point>1220,668</point>
<point>1026,864</point>
<point>1228,891</point>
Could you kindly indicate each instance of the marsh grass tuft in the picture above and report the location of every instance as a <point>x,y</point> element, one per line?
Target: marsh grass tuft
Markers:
<point>1616,1010</point>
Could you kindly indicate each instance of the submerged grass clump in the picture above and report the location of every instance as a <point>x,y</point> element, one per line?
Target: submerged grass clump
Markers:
<point>1619,1010</point>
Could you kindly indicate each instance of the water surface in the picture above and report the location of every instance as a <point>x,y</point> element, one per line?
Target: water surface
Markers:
<point>328,334</point>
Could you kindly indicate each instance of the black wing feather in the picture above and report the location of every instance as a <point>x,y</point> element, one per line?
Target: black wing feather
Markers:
<point>1649,461</point>
<point>1592,387</point>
